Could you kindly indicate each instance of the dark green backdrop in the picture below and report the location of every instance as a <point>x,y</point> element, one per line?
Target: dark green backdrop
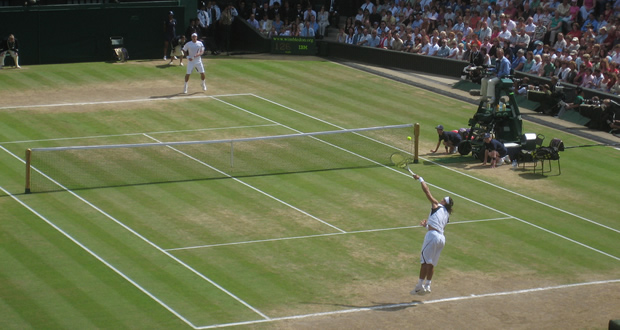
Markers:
<point>80,33</point>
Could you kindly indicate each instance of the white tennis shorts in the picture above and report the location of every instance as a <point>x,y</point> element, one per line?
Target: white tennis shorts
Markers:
<point>195,64</point>
<point>432,246</point>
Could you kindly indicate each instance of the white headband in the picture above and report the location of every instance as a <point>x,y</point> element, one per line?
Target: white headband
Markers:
<point>447,200</point>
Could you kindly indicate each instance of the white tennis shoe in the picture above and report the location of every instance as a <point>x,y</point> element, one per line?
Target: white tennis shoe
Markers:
<point>427,289</point>
<point>418,291</point>
<point>204,86</point>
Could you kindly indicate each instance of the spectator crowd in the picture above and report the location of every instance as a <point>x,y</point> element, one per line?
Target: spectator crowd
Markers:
<point>576,41</point>
<point>289,18</point>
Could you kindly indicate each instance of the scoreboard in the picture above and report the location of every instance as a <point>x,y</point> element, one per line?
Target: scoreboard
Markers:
<point>293,45</point>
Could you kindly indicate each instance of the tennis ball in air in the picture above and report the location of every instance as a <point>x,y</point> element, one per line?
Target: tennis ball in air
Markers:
<point>409,138</point>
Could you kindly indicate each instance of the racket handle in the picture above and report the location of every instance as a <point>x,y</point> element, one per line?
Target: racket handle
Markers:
<point>410,171</point>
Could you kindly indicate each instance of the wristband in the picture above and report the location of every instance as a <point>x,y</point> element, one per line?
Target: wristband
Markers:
<point>421,180</point>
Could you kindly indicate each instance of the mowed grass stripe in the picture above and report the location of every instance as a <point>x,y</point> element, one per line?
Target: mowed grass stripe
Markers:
<point>198,213</point>
<point>316,99</point>
<point>517,248</point>
<point>294,122</point>
<point>60,292</point>
<point>53,278</point>
<point>168,280</point>
<point>34,78</point>
<point>344,198</point>
<point>69,76</point>
<point>370,97</point>
<point>504,201</point>
<point>350,261</point>
<point>355,266</point>
<point>14,127</point>
<point>10,81</point>
<point>62,285</point>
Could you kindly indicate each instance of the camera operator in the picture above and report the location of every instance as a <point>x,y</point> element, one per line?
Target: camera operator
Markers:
<point>602,114</point>
<point>476,60</point>
<point>579,99</point>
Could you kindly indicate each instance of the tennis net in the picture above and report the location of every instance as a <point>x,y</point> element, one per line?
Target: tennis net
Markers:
<point>117,165</point>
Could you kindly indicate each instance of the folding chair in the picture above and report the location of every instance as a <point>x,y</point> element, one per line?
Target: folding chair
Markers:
<point>552,152</point>
<point>530,142</point>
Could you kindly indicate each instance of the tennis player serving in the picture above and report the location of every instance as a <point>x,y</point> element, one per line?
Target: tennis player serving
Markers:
<point>194,50</point>
<point>434,240</point>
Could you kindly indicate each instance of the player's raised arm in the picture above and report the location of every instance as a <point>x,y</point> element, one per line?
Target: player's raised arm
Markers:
<point>426,190</point>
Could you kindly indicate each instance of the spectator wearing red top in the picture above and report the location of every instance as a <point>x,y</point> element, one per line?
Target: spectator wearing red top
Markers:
<point>575,32</point>
<point>474,40</point>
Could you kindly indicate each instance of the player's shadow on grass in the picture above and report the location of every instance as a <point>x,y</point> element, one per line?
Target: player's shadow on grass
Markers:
<point>179,94</point>
<point>167,66</point>
<point>379,306</point>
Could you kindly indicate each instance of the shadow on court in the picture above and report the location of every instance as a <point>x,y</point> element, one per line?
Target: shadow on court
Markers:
<point>378,306</point>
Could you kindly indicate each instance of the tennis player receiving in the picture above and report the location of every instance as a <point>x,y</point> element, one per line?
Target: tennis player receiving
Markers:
<point>194,50</point>
<point>434,239</point>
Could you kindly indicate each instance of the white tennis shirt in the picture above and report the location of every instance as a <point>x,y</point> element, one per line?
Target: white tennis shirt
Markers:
<point>194,48</point>
<point>438,218</point>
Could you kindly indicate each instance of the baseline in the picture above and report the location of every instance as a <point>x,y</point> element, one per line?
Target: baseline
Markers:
<point>114,102</point>
<point>415,303</point>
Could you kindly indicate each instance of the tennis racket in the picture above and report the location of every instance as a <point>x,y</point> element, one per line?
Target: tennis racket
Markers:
<point>398,159</point>
<point>408,169</point>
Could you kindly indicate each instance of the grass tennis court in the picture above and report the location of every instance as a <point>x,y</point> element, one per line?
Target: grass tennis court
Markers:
<point>315,244</point>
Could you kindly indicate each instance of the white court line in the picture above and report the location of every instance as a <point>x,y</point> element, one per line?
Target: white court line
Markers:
<point>438,188</point>
<point>322,235</point>
<point>252,187</point>
<point>454,170</point>
<point>166,98</point>
<point>414,303</point>
<point>402,173</point>
<point>144,239</point>
<point>138,134</point>
<point>96,256</point>
<point>523,196</point>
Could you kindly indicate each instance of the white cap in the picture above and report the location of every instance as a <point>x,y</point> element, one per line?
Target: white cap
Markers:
<point>194,34</point>
<point>447,200</point>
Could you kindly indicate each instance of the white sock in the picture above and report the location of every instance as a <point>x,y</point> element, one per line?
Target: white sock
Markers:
<point>427,282</point>
<point>420,281</point>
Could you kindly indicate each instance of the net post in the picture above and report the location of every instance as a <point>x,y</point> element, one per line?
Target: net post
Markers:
<point>416,134</point>
<point>232,157</point>
<point>28,157</point>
